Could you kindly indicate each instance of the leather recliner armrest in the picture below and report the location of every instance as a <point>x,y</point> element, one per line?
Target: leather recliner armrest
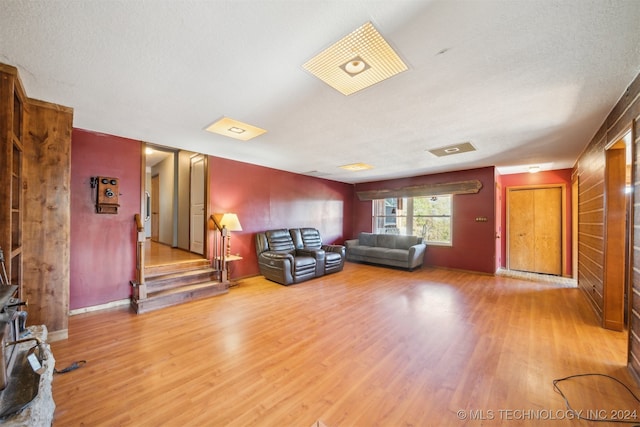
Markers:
<point>314,253</point>
<point>273,255</point>
<point>277,266</point>
<point>317,254</point>
<point>334,248</point>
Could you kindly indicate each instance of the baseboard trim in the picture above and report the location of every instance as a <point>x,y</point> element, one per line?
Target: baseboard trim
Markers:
<point>60,335</point>
<point>99,307</point>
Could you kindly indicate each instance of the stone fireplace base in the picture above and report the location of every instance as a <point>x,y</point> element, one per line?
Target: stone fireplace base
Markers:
<point>41,409</point>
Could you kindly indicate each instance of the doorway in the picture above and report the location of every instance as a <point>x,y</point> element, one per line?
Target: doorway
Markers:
<point>197,208</point>
<point>168,177</point>
<point>535,228</point>
<point>617,241</point>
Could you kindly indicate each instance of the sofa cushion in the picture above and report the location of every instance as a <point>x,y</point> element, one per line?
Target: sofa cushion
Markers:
<point>360,250</point>
<point>367,239</point>
<point>386,241</point>
<point>405,242</point>
<point>304,261</point>
<point>396,254</point>
<point>376,252</point>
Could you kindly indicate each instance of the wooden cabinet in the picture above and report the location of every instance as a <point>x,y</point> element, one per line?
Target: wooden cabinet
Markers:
<point>35,201</point>
<point>12,130</point>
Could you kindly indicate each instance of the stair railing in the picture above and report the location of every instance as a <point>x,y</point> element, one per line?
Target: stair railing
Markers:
<point>218,261</point>
<point>140,287</point>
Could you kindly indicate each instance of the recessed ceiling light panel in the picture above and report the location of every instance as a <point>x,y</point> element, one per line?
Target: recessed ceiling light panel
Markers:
<point>235,129</point>
<point>464,147</point>
<point>354,167</point>
<point>359,60</point>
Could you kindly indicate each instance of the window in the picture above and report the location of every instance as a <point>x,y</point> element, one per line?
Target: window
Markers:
<point>428,217</point>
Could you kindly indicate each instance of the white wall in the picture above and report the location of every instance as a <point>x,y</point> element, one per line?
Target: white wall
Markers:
<point>166,200</point>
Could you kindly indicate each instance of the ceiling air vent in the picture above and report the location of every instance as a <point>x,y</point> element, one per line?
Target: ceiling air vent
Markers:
<point>453,149</point>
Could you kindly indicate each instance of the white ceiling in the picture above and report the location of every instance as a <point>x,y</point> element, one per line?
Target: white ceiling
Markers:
<point>526,82</point>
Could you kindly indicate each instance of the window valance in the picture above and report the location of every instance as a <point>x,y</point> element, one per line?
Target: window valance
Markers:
<point>460,187</point>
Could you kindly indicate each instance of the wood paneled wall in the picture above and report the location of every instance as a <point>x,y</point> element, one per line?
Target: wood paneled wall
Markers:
<point>36,194</point>
<point>590,172</point>
<point>634,328</point>
<point>46,220</point>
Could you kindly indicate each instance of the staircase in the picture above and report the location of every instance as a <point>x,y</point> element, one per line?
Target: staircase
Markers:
<point>176,283</point>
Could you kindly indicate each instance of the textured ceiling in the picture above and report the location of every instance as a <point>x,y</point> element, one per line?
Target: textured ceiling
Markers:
<point>526,82</point>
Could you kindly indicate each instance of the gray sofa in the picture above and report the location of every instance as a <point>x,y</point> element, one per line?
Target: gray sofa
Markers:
<point>387,249</point>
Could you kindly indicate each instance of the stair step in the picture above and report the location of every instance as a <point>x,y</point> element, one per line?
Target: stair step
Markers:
<point>174,296</point>
<point>179,279</point>
<point>173,267</point>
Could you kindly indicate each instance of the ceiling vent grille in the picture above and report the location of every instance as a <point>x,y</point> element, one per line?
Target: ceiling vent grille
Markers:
<point>449,150</point>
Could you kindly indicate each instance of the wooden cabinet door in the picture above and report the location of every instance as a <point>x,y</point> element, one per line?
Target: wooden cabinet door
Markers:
<point>535,230</point>
<point>521,230</point>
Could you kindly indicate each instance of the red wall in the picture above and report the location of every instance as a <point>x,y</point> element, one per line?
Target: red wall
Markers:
<point>102,245</point>
<point>560,176</point>
<point>473,242</point>
<point>265,198</point>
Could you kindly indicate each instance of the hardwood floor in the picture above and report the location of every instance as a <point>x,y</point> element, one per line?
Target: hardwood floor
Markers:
<point>158,254</point>
<point>368,346</point>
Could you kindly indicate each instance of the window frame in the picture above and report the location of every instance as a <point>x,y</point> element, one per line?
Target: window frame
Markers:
<point>404,219</point>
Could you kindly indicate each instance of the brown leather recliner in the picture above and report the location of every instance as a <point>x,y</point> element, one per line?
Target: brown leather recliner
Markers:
<point>281,262</point>
<point>310,239</point>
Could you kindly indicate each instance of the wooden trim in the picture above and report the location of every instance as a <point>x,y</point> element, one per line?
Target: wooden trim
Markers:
<point>630,250</point>
<point>208,211</point>
<point>9,69</point>
<point>140,289</point>
<point>59,335</point>
<point>461,187</point>
<point>138,221</point>
<point>575,191</point>
<point>100,307</point>
<point>615,230</point>
<point>143,178</point>
<point>50,105</point>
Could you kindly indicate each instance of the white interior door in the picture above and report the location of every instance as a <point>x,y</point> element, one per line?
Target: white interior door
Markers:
<point>155,208</point>
<point>197,208</point>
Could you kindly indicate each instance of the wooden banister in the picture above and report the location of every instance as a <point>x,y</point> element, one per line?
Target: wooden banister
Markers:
<point>139,224</point>
<point>140,288</point>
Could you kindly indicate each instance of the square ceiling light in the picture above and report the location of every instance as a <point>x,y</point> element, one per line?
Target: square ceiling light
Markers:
<point>354,167</point>
<point>235,129</point>
<point>357,61</point>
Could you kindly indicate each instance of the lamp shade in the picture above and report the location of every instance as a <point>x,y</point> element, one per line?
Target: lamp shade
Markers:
<point>228,220</point>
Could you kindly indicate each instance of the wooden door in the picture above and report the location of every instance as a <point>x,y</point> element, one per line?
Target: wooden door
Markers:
<point>615,235</point>
<point>498,227</point>
<point>155,208</point>
<point>535,230</point>
<point>197,208</point>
